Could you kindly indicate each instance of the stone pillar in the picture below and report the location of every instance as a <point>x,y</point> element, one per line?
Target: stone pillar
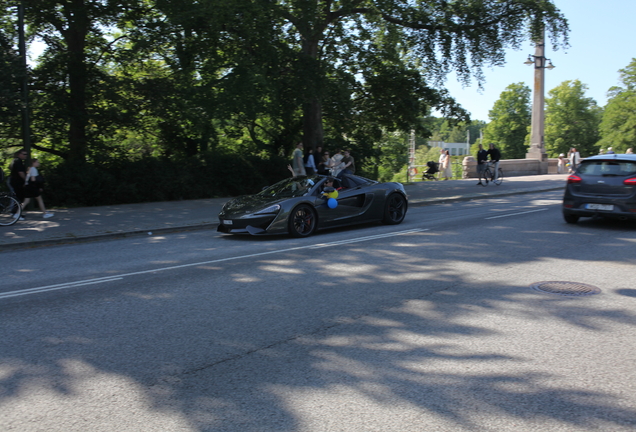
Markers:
<point>537,144</point>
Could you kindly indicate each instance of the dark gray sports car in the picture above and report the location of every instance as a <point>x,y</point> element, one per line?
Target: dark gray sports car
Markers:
<point>297,206</point>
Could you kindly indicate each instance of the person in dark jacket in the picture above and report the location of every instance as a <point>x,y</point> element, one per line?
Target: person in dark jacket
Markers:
<point>18,175</point>
<point>482,158</point>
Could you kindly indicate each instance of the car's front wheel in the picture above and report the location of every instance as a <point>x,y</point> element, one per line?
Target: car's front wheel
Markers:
<point>570,218</point>
<point>395,209</point>
<point>302,221</point>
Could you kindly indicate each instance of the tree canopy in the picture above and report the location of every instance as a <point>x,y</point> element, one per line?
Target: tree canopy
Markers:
<point>510,118</point>
<point>618,125</point>
<point>180,77</point>
<point>571,120</point>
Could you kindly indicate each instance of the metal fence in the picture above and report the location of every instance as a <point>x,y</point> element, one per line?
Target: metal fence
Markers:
<point>457,169</point>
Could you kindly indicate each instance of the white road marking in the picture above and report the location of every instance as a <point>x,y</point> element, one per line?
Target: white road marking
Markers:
<point>57,287</point>
<point>355,240</point>
<point>68,285</point>
<point>515,214</point>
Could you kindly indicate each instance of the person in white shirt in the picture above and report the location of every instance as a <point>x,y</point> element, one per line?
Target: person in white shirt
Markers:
<point>575,159</point>
<point>33,188</point>
<point>336,164</point>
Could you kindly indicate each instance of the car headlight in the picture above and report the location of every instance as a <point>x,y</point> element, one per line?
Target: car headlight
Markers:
<point>271,209</point>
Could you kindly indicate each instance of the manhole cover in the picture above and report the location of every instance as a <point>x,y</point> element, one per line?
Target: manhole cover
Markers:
<point>566,288</point>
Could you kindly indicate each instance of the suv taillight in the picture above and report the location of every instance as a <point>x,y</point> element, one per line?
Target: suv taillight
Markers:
<point>630,182</point>
<point>574,179</point>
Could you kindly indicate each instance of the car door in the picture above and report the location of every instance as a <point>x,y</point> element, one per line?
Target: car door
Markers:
<point>353,202</point>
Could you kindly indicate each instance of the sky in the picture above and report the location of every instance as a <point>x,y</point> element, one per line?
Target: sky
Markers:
<point>602,41</point>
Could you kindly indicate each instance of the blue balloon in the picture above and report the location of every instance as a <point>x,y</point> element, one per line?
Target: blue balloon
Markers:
<point>332,203</point>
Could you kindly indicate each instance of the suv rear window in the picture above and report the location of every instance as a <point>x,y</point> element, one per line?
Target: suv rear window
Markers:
<point>607,168</point>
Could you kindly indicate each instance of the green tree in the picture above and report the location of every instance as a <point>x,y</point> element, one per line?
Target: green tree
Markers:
<point>571,120</point>
<point>350,41</point>
<point>68,81</point>
<point>11,75</point>
<point>510,118</point>
<point>618,125</point>
<point>454,132</point>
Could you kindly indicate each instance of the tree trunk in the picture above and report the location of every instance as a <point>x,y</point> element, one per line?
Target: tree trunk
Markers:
<point>75,37</point>
<point>313,134</point>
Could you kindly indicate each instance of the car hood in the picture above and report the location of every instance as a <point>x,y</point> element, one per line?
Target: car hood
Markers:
<point>247,204</point>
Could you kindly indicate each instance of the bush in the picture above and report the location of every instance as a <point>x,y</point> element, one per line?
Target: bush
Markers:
<point>211,174</point>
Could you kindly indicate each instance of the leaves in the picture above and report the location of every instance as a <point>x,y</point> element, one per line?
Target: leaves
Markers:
<point>618,125</point>
<point>510,119</point>
<point>571,120</point>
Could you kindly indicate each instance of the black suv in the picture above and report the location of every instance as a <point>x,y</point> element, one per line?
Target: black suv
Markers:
<point>603,185</point>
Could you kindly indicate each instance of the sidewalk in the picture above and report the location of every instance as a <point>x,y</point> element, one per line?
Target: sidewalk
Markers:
<point>92,223</point>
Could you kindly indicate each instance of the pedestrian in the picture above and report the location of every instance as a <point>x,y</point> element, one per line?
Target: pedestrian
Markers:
<point>610,150</point>
<point>629,151</point>
<point>323,161</point>
<point>323,164</point>
<point>575,158</point>
<point>33,188</point>
<point>482,158</point>
<point>17,178</point>
<point>445,169</point>
<point>440,163</point>
<point>348,164</point>
<point>335,163</point>
<point>310,165</point>
<point>297,160</point>
<point>561,164</point>
<point>495,155</point>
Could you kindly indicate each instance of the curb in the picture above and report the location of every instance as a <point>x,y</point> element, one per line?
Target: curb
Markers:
<point>484,195</point>
<point>106,236</point>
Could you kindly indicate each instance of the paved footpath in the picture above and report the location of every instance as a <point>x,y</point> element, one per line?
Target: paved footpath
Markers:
<point>93,223</point>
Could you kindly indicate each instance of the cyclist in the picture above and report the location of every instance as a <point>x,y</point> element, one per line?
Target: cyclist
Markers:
<point>495,155</point>
<point>18,176</point>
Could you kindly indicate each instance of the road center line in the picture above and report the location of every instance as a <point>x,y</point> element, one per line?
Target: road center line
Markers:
<point>515,214</point>
<point>68,285</point>
<point>55,287</point>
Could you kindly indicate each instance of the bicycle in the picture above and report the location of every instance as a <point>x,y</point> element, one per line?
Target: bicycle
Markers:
<point>489,174</point>
<point>10,209</point>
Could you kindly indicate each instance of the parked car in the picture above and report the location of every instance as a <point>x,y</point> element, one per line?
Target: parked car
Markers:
<point>602,186</point>
<point>296,206</point>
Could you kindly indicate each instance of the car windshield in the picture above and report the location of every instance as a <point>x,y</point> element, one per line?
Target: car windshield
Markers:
<point>608,168</point>
<point>292,187</point>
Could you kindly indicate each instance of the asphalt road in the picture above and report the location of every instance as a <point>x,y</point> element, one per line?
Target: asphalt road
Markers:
<point>431,325</point>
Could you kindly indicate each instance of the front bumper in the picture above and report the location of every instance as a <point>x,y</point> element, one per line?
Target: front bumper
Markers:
<point>252,225</point>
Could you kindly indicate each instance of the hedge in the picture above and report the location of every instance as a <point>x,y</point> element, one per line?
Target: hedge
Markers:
<point>160,179</point>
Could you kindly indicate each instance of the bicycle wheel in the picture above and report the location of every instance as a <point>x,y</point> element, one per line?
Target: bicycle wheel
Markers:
<point>487,176</point>
<point>499,177</point>
<point>10,210</point>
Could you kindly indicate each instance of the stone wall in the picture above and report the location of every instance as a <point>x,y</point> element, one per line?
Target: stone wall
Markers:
<point>512,167</point>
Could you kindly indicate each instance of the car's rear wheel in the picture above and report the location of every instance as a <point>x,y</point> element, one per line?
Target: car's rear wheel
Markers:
<point>302,221</point>
<point>395,209</point>
<point>570,218</point>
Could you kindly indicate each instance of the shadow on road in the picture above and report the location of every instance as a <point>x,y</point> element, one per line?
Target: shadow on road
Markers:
<point>432,331</point>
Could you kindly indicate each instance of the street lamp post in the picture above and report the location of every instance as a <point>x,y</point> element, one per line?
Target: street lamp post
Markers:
<point>537,147</point>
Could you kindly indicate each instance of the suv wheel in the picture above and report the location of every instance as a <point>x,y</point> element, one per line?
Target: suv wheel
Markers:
<point>570,218</point>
